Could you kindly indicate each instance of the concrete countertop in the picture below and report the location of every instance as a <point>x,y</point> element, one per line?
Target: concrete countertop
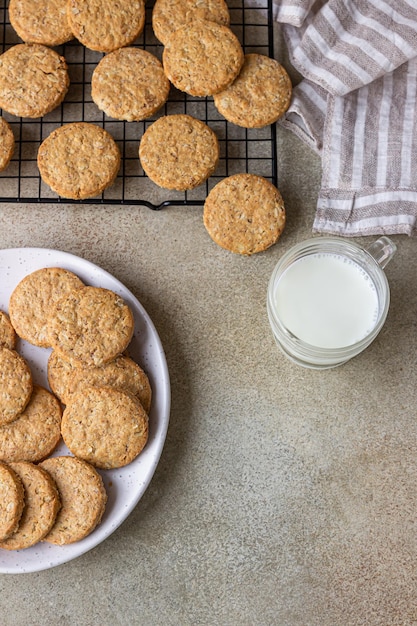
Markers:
<point>284,496</point>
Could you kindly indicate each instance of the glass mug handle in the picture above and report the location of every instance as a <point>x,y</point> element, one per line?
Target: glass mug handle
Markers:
<point>382,250</point>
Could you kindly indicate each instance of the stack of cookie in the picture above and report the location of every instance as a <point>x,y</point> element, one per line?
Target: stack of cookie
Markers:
<point>99,401</point>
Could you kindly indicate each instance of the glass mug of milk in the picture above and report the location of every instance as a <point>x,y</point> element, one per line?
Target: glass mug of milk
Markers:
<point>328,298</point>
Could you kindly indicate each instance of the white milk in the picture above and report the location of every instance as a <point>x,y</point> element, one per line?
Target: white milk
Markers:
<point>327,300</point>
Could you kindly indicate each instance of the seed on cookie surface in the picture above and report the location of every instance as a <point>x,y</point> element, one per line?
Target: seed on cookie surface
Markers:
<point>33,80</point>
<point>244,213</point>
<point>15,385</point>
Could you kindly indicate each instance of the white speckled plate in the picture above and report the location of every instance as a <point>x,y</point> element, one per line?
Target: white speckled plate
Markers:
<point>125,486</point>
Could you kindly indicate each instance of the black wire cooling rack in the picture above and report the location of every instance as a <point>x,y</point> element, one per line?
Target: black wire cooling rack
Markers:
<point>241,150</point>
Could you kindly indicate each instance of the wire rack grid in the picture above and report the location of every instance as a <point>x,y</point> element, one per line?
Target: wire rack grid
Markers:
<point>241,150</point>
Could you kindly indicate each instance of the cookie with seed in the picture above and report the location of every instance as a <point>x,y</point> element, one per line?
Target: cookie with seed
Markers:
<point>129,84</point>
<point>59,373</point>
<point>15,385</point>
<point>7,332</point>
<point>42,503</point>
<point>32,299</point>
<point>7,143</point>
<point>105,426</point>
<point>12,499</point>
<point>35,433</point>
<point>259,96</point>
<point>202,57</point>
<point>122,373</point>
<point>79,160</point>
<point>179,152</point>
<point>33,80</point>
<point>169,15</point>
<point>40,21</point>
<point>83,499</point>
<point>91,326</point>
<point>244,213</point>
<point>105,25</point>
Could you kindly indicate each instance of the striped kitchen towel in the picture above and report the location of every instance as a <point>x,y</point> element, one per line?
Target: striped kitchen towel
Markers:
<point>356,107</point>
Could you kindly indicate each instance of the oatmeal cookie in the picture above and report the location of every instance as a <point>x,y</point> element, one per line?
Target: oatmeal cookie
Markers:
<point>244,213</point>
<point>35,433</point>
<point>40,21</point>
<point>7,144</point>
<point>179,152</point>
<point>105,25</point>
<point>33,80</point>
<point>122,373</point>
<point>7,332</point>
<point>169,15</point>
<point>15,385</point>
<point>59,372</point>
<point>32,299</point>
<point>83,499</point>
<point>12,499</point>
<point>42,503</point>
<point>259,96</point>
<point>129,84</point>
<point>79,160</point>
<point>202,57</point>
<point>91,326</point>
<point>105,426</point>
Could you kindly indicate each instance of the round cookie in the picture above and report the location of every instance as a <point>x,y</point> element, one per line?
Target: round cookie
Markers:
<point>7,332</point>
<point>15,385</point>
<point>35,433</point>
<point>105,25</point>
<point>12,499</point>
<point>105,426</point>
<point>169,15</point>
<point>79,160</point>
<point>129,84</point>
<point>179,152</point>
<point>7,144</point>
<point>33,80</point>
<point>244,213</point>
<point>122,373</point>
<point>91,326</point>
<point>202,57</point>
<point>42,503</point>
<point>83,499</point>
<point>259,96</point>
<point>33,298</point>
<point>59,372</point>
<point>40,21</point>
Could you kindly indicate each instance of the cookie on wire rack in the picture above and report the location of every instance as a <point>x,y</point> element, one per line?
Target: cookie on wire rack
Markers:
<point>41,21</point>
<point>7,143</point>
<point>33,80</point>
<point>105,25</point>
<point>169,15</point>
<point>129,84</point>
<point>179,152</point>
<point>202,58</point>
<point>259,96</point>
<point>79,160</point>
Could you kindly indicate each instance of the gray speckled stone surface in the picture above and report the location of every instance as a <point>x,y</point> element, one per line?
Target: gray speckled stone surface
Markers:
<point>284,496</point>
